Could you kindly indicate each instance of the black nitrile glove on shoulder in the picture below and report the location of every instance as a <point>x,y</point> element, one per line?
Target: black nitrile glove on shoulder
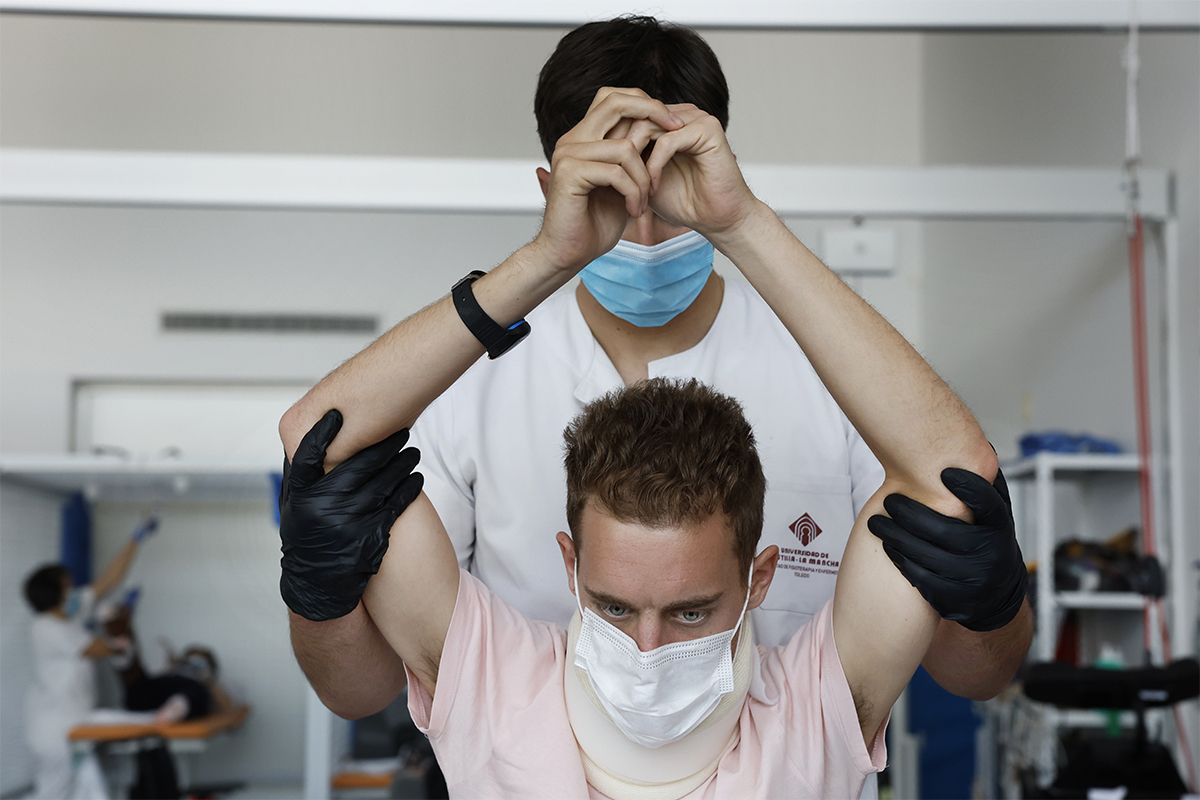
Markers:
<point>335,526</point>
<point>972,574</point>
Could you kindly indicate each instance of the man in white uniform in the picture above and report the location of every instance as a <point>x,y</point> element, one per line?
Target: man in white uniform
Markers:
<point>652,307</point>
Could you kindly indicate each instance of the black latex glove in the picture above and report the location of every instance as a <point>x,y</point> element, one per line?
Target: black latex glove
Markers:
<point>972,574</point>
<point>335,527</point>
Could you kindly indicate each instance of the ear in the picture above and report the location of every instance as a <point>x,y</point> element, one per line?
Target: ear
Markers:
<point>543,176</point>
<point>567,546</point>
<point>764,572</point>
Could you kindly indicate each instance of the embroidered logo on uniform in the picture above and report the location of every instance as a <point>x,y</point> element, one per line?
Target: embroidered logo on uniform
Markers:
<point>805,529</point>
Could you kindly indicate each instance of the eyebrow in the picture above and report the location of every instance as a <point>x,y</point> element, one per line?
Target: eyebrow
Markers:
<point>681,605</point>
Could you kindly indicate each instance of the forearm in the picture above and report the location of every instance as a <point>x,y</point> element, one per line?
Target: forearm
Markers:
<point>115,572</point>
<point>350,665</point>
<point>979,665</point>
<point>386,386</point>
<point>907,415</point>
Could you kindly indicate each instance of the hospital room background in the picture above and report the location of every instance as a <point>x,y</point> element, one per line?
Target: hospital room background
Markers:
<point>168,287</point>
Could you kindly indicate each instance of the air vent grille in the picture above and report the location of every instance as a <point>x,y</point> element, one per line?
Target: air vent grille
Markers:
<point>196,322</point>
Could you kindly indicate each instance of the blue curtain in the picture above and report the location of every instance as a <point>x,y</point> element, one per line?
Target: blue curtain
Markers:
<point>276,487</point>
<point>946,724</point>
<point>75,546</point>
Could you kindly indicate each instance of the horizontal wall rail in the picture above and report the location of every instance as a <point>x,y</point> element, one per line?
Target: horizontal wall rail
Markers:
<point>510,186</point>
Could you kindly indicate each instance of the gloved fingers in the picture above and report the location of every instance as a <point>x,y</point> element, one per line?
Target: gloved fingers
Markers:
<point>1002,613</point>
<point>919,577</point>
<point>354,473</point>
<point>372,548</point>
<point>401,496</point>
<point>406,492</point>
<point>984,500</point>
<point>923,522</point>
<point>901,541</point>
<point>381,485</point>
<point>319,603</point>
<point>1001,486</point>
<point>953,599</point>
<point>308,465</point>
<point>383,450</point>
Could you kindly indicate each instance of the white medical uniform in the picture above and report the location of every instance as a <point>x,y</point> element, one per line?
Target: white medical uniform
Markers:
<point>64,691</point>
<point>491,453</point>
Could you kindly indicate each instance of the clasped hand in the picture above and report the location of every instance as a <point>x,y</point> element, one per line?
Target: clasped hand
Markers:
<point>632,155</point>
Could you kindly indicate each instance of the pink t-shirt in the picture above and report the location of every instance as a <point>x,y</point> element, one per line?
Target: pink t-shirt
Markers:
<point>499,722</point>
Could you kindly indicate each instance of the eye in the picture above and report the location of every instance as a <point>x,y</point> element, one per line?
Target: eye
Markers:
<point>615,612</point>
<point>692,617</point>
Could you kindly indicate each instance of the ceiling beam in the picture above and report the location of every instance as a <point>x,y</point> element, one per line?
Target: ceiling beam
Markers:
<point>918,15</point>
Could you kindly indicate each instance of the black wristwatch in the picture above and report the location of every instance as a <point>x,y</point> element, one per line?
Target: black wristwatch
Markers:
<point>496,339</point>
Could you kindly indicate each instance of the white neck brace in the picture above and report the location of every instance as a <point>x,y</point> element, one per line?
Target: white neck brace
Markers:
<point>621,768</point>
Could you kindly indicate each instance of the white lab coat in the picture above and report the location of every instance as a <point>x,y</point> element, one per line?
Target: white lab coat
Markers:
<point>63,692</point>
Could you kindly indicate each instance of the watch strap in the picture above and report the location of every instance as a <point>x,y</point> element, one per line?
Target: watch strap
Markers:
<point>495,338</point>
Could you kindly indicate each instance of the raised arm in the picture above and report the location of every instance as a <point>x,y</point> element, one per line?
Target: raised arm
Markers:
<point>595,184</point>
<point>118,568</point>
<point>909,418</point>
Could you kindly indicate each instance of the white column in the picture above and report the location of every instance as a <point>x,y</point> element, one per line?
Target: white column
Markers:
<point>318,760</point>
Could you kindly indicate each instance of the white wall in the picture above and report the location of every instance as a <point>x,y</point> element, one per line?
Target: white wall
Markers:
<point>88,304</point>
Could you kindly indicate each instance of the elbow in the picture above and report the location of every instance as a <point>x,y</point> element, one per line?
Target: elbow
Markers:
<point>350,711</point>
<point>292,429</point>
<point>972,453</point>
<point>980,457</point>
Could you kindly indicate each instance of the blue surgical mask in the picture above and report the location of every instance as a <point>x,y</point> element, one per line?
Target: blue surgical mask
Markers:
<point>649,286</point>
<point>74,602</point>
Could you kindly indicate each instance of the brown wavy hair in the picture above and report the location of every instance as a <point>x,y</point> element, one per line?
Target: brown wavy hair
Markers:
<point>664,453</point>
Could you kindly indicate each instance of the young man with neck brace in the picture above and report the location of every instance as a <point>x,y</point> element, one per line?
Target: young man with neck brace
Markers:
<point>494,689</point>
<point>500,509</point>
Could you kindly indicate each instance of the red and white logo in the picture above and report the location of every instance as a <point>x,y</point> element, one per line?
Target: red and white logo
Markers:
<point>805,529</point>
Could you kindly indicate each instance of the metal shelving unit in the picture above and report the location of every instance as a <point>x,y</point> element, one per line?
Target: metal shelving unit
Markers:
<point>1045,471</point>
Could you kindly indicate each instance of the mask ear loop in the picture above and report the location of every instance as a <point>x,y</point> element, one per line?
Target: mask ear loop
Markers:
<point>578,589</point>
<point>746,602</point>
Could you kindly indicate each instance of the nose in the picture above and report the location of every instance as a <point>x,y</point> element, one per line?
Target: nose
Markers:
<point>650,229</point>
<point>641,230</point>
<point>649,633</point>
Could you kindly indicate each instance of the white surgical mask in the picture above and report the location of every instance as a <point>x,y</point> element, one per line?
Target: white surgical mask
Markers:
<point>659,696</point>
<point>649,285</point>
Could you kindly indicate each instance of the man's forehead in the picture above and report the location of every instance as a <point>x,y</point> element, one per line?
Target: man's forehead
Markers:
<point>655,566</point>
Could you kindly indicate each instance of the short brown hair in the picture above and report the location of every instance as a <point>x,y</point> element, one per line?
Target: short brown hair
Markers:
<point>667,452</point>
